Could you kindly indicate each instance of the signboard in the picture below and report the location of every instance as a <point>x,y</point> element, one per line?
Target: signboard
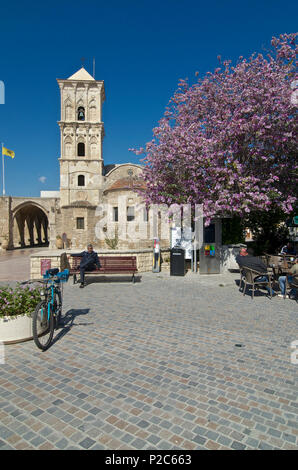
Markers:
<point>175,236</point>
<point>186,242</point>
<point>45,264</point>
<point>187,246</point>
<point>182,239</point>
<point>209,250</point>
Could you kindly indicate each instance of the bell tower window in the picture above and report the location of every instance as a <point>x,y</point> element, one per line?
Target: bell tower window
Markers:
<point>81,149</point>
<point>81,113</point>
<point>68,112</point>
<point>81,180</point>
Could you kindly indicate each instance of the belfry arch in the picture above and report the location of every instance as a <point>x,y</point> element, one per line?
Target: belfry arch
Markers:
<point>30,226</point>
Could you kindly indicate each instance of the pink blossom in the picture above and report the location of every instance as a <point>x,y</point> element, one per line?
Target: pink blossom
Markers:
<point>229,140</point>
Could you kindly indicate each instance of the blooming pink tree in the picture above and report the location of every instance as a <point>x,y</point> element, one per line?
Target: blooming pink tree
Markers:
<point>229,141</point>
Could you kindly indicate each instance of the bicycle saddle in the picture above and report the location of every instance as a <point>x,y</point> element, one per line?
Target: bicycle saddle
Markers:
<point>53,271</point>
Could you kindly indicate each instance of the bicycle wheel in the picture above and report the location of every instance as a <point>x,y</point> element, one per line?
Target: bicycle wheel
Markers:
<point>57,308</point>
<point>42,326</point>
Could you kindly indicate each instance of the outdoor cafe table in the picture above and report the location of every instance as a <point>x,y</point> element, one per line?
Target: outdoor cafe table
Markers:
<point>284,266</point>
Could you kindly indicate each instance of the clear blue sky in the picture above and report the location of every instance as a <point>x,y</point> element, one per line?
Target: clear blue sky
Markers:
<point>142,49</point>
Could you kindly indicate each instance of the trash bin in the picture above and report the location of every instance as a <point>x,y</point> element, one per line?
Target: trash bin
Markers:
<point>177,262</point>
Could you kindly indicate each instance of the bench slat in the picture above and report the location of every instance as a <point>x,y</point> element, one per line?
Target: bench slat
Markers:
<point>109,265</point>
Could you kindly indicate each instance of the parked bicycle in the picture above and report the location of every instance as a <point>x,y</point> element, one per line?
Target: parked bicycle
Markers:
<point>47,314</point>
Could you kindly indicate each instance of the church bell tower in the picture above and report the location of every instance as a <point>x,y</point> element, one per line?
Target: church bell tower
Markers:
<point>81,137</point>
<point>81,161</point>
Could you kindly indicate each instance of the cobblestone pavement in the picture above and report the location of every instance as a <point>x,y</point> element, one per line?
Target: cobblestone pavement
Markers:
<point>154,365</point>
<point>15,264</point>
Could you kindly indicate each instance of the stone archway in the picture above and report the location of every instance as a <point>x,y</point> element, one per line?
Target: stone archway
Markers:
<point>30,226</point>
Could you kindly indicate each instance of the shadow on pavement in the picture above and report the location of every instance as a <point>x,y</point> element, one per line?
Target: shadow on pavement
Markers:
<point>67,322</point>
<point>259,292</point>
<point>103,279</point>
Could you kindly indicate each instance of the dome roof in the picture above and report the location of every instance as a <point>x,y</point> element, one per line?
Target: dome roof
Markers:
<point>132,184</point>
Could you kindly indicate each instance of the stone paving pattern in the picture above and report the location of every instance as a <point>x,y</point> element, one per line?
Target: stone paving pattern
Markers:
<point>153,365</point>
<point>15,264</point>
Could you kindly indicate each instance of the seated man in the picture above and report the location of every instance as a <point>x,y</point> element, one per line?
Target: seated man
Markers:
<point>282,281</point>
<point>88,262</point>
<point>245,260</point>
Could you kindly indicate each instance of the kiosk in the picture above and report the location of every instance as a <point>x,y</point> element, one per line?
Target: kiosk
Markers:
<point>210,248</point>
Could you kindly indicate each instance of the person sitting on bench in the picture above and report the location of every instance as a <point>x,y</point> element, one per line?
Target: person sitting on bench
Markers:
<point>88,262</point>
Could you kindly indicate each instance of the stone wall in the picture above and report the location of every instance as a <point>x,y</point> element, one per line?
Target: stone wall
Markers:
<point>228,255</point>
<point>144,259</point>
<point>35,263</point>
<point>5,219</point>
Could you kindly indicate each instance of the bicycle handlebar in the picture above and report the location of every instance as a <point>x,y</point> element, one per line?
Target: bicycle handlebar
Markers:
<point>61,277</point>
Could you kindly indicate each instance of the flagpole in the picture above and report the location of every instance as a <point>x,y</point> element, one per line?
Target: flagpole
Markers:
<point>3,170</point>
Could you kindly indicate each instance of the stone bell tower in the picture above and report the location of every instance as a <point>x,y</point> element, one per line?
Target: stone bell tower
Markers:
<point>81,161</point>
<point>82,133</point>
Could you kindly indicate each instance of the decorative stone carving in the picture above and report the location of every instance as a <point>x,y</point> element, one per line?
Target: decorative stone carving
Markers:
<point>81,196</point>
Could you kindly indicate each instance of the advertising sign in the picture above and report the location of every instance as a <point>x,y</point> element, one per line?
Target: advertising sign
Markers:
<point>45,264</point>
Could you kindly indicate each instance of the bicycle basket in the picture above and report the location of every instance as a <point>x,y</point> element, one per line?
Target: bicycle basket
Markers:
<point>63,276</point>
<point>50,273</point>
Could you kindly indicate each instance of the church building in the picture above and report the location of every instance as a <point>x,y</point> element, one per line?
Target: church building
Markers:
<point>96,203</point>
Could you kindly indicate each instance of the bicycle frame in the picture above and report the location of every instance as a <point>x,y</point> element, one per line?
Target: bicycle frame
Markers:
<point>50,304</point>
<point>51,289</point>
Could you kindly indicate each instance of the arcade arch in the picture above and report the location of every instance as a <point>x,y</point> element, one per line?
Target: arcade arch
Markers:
<point>30,226</point>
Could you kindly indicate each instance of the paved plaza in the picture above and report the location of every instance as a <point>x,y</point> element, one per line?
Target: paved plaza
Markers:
<point>165,363</point>
<point>15,264</point>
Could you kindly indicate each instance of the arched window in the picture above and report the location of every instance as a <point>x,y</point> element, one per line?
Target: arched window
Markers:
<point>81,180</point>
<point>93,113</point>
<point>81,149</point>
<point>68,146</point>
<point>81,113</point>
<point>68,112</point>
<point>130,213</point>
<point>92,110</point>
<point>93,147</point>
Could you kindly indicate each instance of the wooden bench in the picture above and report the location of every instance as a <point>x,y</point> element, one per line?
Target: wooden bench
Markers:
<point>108,265</point>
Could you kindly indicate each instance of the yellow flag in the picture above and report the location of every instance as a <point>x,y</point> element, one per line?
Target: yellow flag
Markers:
<point>7,152</point>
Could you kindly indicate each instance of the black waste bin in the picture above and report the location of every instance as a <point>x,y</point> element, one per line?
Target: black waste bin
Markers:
<point>177,266</point>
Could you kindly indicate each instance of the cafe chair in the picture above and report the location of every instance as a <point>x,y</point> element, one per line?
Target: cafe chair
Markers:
<point>292,285</point>
<point>249,277</point>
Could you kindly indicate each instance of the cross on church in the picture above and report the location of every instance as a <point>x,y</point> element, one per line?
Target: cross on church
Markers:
<point>83,60</point>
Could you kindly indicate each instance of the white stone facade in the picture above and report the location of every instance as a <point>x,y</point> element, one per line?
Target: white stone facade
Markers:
<point>86,184</point>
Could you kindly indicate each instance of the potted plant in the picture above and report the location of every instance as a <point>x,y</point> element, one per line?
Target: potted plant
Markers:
<point>16,308</point>
<point>59,242</point>
<point>165,265</point>
<point>4,243</point>
<point>113,242</point>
